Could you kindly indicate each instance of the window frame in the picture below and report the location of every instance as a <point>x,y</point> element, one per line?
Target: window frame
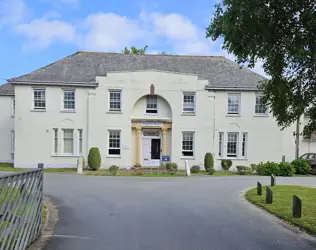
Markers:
<point>154,99</point>
<point>80,141</point>
<point>232,113</point>
<point>55,141</point>
<point>120,101</point>
<point>12,144</point>
<point>221,142</point>
<point>33,99</point>
<point>68,100</point>
<point>260,106</point>
<point>114,148</point>
<point>63,142</point>
<point>194,102</point>
<point>230,155</point>
<point>193,145</point>
<point>13,106</point>
<point>244,144</point>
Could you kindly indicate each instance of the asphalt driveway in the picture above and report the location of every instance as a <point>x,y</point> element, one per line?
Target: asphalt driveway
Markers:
<point>137,213</point>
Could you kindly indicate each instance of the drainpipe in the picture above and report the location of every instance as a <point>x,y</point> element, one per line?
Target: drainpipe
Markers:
<point>297,139</point>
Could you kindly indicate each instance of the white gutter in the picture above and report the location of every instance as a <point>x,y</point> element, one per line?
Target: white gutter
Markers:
<point>231,88</point>
<point>52,83</point>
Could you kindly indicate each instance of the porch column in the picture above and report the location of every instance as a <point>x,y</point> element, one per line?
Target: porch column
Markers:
<point>139,145</point>
<point>164,141</point>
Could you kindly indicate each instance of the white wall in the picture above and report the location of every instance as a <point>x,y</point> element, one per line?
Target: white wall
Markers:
<point>6,127</point>
<point>34,129</point>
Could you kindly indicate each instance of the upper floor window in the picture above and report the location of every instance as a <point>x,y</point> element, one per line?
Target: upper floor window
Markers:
<point>188,102</point>
<point>233,104</point>
<point>260,108</point>
<point>115,100</point>
<point>187,143</point>
<point>39,99</point>
<point>69,100</point>
<point>151,106</point>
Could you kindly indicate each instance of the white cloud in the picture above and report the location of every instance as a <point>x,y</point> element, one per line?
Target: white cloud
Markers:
<point>110,32</point>
<point>12,11</point>
<point>41,33</point>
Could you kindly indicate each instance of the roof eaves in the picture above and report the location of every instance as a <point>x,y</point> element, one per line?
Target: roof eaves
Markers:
<point>54,83</point>
<point>231,88</point>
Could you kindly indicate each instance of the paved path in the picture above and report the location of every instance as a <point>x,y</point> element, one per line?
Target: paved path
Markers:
<point>127,213</point>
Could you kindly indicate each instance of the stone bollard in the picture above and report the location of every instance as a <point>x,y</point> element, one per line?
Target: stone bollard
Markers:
<point>297,207</point>
<point>40,165</point>
<point>269,195</point>
<point>273,182</point>
<point>259,188</point>
<point>79,166</point>
<point>187,168</point>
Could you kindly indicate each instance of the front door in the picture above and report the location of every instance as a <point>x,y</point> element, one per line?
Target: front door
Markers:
<point>151,151</point>
<point>146,151</point>
<point>155,152</point>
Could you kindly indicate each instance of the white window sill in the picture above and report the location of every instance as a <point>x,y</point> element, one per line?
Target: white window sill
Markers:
<point>113,156</point>
<point>114,112</point>
<point>188,114</point>
<point>76,156</point>
<point>151,114</point>
<point>233,115</point>
<point>38,110</point>
<point>187,157</point>
<point>261,115</point>
<point>232,158</point>
<point>68,111</point>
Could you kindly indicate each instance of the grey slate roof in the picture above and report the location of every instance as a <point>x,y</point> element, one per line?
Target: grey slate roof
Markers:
<point>83,67</point>
<point>6,89</point>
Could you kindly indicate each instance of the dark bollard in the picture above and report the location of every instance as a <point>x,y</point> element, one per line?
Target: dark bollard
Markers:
<point>273,180</point>
<point>40,165</point>
<point>297,207</point>
<point>269,195</point>
<point>259,188</point>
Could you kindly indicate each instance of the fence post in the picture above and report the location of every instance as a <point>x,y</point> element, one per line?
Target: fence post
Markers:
<point>259,188</point>
<point>40,165</point>
<point>273,182</point>
<point>269,195</point>
<point>297,207</point>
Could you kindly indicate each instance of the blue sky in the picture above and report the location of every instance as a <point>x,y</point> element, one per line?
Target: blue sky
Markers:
<point>34,33</point>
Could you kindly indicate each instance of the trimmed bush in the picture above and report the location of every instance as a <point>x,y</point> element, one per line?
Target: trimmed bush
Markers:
<point>286,169</point>
<point>211,171</point>
<point>301,166</point>
<point>208,161</point>
<point>268,168</point>
<point>83,162</point>
<point>94,158</point>
<point>226,164</point>
<point>313,170</point>
<point>113,169</point>
<point>195,169</point>
<point>172,167</point>
<point>244,170</point>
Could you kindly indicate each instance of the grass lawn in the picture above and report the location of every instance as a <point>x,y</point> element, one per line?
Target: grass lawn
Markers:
<point>282,204</point>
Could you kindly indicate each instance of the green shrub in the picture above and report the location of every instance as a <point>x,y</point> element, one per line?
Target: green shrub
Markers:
<point>195,169</point>
<point>208,161</point>
<point>211,171</point>
<point>113,169</point>
<point>313,170</point>
<point>254,167</point>
<point>244,170</point>
<point>268,168</point>
<point>94,158</point>
<point>301,166</point>
<point>226,164</point>
<point>83,162</point>
<point>172,167</point>
<point>286,169</point>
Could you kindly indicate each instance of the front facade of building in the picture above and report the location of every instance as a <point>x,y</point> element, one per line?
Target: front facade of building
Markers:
<point>139,110</point>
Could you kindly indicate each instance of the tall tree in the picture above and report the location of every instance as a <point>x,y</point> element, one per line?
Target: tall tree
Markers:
<point>281,33</point>
<point>134,50</point>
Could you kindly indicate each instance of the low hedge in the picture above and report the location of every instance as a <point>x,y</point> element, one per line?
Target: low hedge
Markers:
<point>172,167</point>
<point>226,164</point>
<point>277,169</point>
<point>244,170</point>
<point>301,166</point>
<point>195,169</point>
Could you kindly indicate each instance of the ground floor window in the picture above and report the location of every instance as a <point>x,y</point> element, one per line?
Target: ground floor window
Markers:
<point>244,145</point>
<point>220,144</point>
<point>114,142</point>
<point>55,134</point>
<point>187,143</point>
<point>68,141</point>
<point>12,144</point>
<point>80,141</point>
<point>232,144</point>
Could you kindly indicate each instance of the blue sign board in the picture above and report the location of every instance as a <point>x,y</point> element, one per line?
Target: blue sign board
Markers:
<point>165,158</point>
